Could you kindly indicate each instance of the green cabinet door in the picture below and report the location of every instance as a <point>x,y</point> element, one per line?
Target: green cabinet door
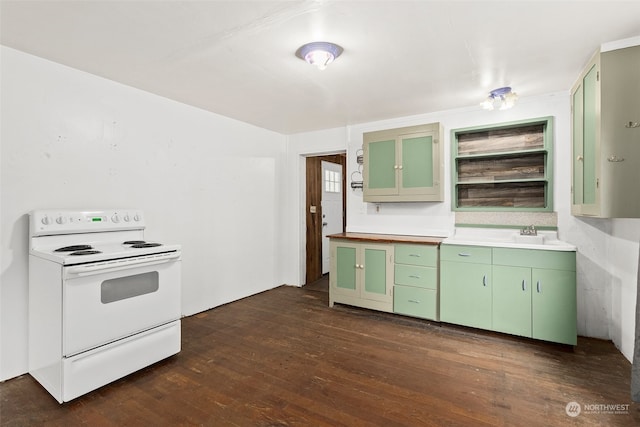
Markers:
<point>590,121</point>
<point>465,294</point>
<point>578,144</point>
<point>554,305</point>
<point>586,116</point>
<point>345,279</point>
<point>381,167</point>
<point>512,300</point>
<point>418,174</point>
<point>376,273</point>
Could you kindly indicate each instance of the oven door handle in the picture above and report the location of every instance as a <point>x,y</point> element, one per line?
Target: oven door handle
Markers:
<point>108,267</point>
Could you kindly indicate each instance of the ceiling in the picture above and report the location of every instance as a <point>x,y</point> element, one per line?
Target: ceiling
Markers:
<point>237,58</point>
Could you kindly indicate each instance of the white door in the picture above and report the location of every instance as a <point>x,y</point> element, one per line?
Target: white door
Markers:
<point>331,207</point>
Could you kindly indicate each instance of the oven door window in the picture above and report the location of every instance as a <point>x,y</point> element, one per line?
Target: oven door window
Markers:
<point>121,288</point>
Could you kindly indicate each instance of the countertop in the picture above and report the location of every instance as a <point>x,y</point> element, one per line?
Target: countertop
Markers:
<point>507,238</point>
<point>387,238</point>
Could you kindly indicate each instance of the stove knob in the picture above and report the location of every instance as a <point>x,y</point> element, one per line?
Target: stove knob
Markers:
<point>115,218</point>
<point>45,220</point>
<point>61,220</point>
<point>136,217</point>
<point>126,218</point>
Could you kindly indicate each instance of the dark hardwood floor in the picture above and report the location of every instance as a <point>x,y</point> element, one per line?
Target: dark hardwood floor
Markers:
<point>284,358</point>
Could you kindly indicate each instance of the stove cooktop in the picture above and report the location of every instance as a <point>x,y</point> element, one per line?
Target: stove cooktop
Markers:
<point>89,250</point>
<point>101,251</point>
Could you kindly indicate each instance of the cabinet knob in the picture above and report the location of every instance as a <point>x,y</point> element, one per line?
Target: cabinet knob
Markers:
<point>579,158</point>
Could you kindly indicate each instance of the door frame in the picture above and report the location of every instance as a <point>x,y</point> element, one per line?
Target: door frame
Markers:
<point>313,221</point>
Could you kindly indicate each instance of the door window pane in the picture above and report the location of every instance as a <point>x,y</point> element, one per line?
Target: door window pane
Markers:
<point>332,181</point>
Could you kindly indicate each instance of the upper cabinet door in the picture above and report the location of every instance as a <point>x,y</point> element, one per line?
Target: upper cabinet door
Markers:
<point>419,172</point>
<point>605,106</point>
<point>585,141</point>
<point>577,117</point>
<point>380,167</point>
<point>403,165</point>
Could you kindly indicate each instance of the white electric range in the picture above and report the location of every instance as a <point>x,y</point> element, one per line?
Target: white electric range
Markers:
<point>103,302</point>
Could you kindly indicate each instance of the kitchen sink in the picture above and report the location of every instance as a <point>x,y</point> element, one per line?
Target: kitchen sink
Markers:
<point>528,239</point>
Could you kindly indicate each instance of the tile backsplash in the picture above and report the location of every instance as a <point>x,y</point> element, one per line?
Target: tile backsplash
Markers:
<point>547,220</point>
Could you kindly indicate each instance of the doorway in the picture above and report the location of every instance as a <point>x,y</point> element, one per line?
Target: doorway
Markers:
<point>325,208</point>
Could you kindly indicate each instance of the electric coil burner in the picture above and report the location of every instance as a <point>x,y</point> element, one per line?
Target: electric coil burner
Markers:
<point>146,245</point>
<point>74,248</point>
<point>87,252</point>
<point>103,302</point>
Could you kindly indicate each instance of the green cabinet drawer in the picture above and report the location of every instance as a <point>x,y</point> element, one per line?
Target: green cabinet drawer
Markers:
<point>424,255</point>
<point>417,302</point>
<point>460,253</point>
<point>551,260</point>
<point>411,275</point>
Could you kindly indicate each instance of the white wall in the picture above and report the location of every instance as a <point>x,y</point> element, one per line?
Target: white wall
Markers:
<point>73,140</point>
<point>607,249</point>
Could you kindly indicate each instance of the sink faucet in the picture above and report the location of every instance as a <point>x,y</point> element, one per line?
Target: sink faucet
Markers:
<point>529,231</point>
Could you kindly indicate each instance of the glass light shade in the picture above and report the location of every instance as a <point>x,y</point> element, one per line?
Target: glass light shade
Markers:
<point>319,58</point>
<point>502,98</point>
<point>319,54</point>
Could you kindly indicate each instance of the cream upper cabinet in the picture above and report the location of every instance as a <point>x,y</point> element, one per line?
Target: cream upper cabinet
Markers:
<point>404,164</point>
<point>605,103</point>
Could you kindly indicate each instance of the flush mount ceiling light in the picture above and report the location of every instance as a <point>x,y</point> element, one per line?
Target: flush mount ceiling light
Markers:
<point>502,98</point>
<point>319,54</point>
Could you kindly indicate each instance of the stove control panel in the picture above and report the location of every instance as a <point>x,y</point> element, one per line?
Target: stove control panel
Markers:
<point>50,222</point>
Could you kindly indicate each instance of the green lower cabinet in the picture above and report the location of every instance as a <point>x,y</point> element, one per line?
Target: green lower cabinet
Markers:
<point>554,305</point>
<point>512,300</point>
<point>524,292</point>
<point>416,302</point>
<point>536,303</point>
<point>465,294</point>
<point>361,274</point>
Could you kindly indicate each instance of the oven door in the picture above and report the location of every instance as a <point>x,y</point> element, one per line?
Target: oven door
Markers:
<point>107,301</point>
